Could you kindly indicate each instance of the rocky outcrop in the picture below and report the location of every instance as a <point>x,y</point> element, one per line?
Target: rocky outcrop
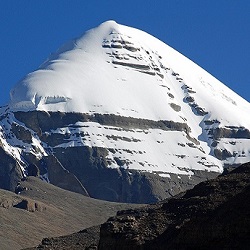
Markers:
<point>228,132</point>
<point>30,205</point>
<point>8,201</point>
<point>84,239</point>
<point>10,171</point>
<point>38,121</point>
<point>21,133</point>
<point>213,214</point>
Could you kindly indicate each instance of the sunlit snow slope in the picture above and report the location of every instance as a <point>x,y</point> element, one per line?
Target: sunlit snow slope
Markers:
<point>89,74</point>
<point>150,107</point>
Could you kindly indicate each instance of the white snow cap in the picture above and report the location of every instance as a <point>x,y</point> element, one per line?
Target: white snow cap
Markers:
<point>115,69</point>
<point>124,71</point>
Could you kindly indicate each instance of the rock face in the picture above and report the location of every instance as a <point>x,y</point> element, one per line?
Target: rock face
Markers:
<point>213,214</point>
<point>118,115</point>
<point>10,171</point>
<point>87,169</point>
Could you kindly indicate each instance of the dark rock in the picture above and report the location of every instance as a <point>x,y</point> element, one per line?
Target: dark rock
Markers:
<point>215,213</point>
<point>122,185</point>
<point>131,65</point>
<point>10,171</point>
<point>41,121</point>
<point>21,133</point>
<point>33,170</point>
<point>197,109</point>
<point>170,95</point>
<point>61,177</point>
<point>227,132</point>
<point>175,107</point>
<point>19,188</point>
<point>189,99</point>
<point>222,154</point>
<point>85,239</point>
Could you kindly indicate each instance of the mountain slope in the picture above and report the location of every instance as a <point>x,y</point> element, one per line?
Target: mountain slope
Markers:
<point>214,214</point>
<point>41,210</point>
<point>130,118</point>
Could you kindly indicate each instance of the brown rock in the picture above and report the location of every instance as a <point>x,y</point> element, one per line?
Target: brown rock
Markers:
<point>30,205</point>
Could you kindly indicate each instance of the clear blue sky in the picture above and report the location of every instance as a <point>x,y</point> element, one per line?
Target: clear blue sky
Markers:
<point>213,33</point>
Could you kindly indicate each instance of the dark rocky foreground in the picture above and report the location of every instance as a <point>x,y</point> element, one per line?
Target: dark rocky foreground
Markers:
<point>84,239</point>
<point>213,215</point>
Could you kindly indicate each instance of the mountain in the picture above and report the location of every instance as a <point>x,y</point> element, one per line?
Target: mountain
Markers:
<point>213,215</point>
<point>118,115</point>
<point>43,210</point>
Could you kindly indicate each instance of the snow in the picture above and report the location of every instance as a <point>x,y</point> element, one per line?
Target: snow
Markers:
<point>16,147</point>
<point>115,69</point>
<point>165,175</point>
<point>82,77</point>
<point>154,149</point>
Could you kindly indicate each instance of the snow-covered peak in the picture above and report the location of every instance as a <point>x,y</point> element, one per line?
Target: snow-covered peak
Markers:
<point>130,102</point>
<point>124,71</point>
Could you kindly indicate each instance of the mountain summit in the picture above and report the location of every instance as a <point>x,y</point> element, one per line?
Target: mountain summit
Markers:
<point>126,116</point>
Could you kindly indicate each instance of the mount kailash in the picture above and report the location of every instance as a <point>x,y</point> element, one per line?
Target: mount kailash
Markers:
<point>118,115</point>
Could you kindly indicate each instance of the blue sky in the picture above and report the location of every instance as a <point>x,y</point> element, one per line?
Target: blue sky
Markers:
<point>215,34</point>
